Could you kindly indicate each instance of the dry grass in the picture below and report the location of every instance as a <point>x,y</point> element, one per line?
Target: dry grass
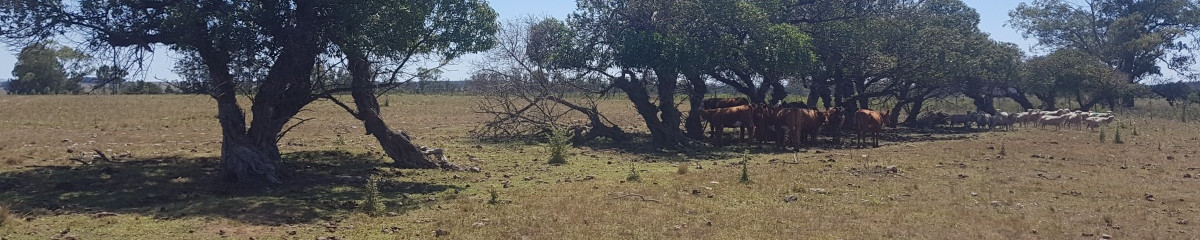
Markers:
<point>5,216</point>
<point>944,185</point>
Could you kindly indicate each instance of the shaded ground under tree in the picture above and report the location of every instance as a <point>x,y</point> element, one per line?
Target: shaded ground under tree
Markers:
<point>325,185</point>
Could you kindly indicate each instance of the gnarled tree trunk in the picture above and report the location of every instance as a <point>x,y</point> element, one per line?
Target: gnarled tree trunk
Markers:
<point>397,145</point>
<point>664,129</point>
<point>250,156</point>
<point>694,124</point>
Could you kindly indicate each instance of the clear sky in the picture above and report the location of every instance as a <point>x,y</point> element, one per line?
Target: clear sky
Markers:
<point>993,14</point>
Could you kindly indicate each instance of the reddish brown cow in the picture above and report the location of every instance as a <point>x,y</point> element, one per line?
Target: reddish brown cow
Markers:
<point>767,125</point>
<point>868,121</point>
<point>803,125</point>
<point>740,117</point>
<point>715,103</point>
<point>836,118</point>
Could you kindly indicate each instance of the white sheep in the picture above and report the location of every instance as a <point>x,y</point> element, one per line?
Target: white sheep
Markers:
<point>1057,121</point>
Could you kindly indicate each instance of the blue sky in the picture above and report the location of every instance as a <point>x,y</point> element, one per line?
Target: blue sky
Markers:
<point>993,16</point>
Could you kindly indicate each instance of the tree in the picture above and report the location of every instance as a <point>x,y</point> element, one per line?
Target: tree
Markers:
<point>1173,92</point>
<point>111,75</point>
<point>284,37</point>
<point>527,97</point>
<point>142,87</point>
<point>636,45</point>
<point>40,69</point>
<point>1132,36</point>
<point>395,33</point>
<point>1069,72</point>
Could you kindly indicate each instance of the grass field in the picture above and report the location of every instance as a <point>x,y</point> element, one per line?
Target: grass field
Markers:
<point>940,184</point>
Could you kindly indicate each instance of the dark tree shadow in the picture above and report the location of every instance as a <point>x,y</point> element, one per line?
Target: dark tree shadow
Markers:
<point>319,185</point>
<point>725,148</point>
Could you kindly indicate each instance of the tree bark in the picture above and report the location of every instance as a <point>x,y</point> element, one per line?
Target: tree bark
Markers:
<point>915,112</point>
<point>820,92</point>
<point>598,126</point>
<point>694,124</point>
<point>1020,97</point>
<point>397,145</point>
<point>245,163</point>
<point>1049,102</point>
<point>663,133</point>
<point>1128,101</point>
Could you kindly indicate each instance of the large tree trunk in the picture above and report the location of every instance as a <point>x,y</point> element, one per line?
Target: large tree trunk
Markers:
<point>1128,101</point>
<point>694,124</point>
<point>820,92</point>
<point>1020,98</point>
<point>985,104</point>
<point>1088,105</point>
<point>861,89</point>
<point>778,92</point>
<point>245,162</point>
<point>915,112</point>
<point>662,132</point>
<point>1049,102</point>
<point>397,145</point>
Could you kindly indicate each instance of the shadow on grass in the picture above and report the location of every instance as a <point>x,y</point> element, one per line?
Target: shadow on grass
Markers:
<point>727,148</point>
<point>318,186</point>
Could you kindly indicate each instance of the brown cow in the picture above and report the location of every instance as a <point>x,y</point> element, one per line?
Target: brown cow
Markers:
<point>803,125</point>
<point>836,118</point>
<point>868,121</point>
<point>740,117</point>
<point>715,103</point>
<point>767,125</point>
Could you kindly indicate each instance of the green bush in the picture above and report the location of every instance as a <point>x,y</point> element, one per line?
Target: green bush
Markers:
<point>745,167</point>
<point>493,197</point>
<point>372,200</point>
<point>559,141</point>
<point>633,174</point>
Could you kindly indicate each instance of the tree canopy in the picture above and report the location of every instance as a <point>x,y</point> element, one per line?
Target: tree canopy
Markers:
<point>275,45</point>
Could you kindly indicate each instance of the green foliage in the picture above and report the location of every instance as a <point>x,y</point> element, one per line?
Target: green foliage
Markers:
<point>1103,138</point>
<point>40,71</point>
<point>113,77</point>
<point>1134,34</point>
<point>1117,137</point>
<point>372,202</point>
<point>142,87</point>
<point>633,174</point>
<point>745,167</point>
<point>558,142</point>
<point>493,197</point>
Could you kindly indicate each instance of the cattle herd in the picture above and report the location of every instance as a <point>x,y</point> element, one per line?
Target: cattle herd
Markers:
<point>796,125</point>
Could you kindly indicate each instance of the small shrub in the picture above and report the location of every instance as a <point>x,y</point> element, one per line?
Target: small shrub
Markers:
<point>1117,137</point>
<point>681,169</point>
<point>745,167</point>
<point>1003,150</point>
<point>633,174</point>
<point>1103,138</point>
<point>559,141</point>
<point>372,200</point>
<point>493,197</point>
<point>339,141</point>
<point>1135,133</point>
